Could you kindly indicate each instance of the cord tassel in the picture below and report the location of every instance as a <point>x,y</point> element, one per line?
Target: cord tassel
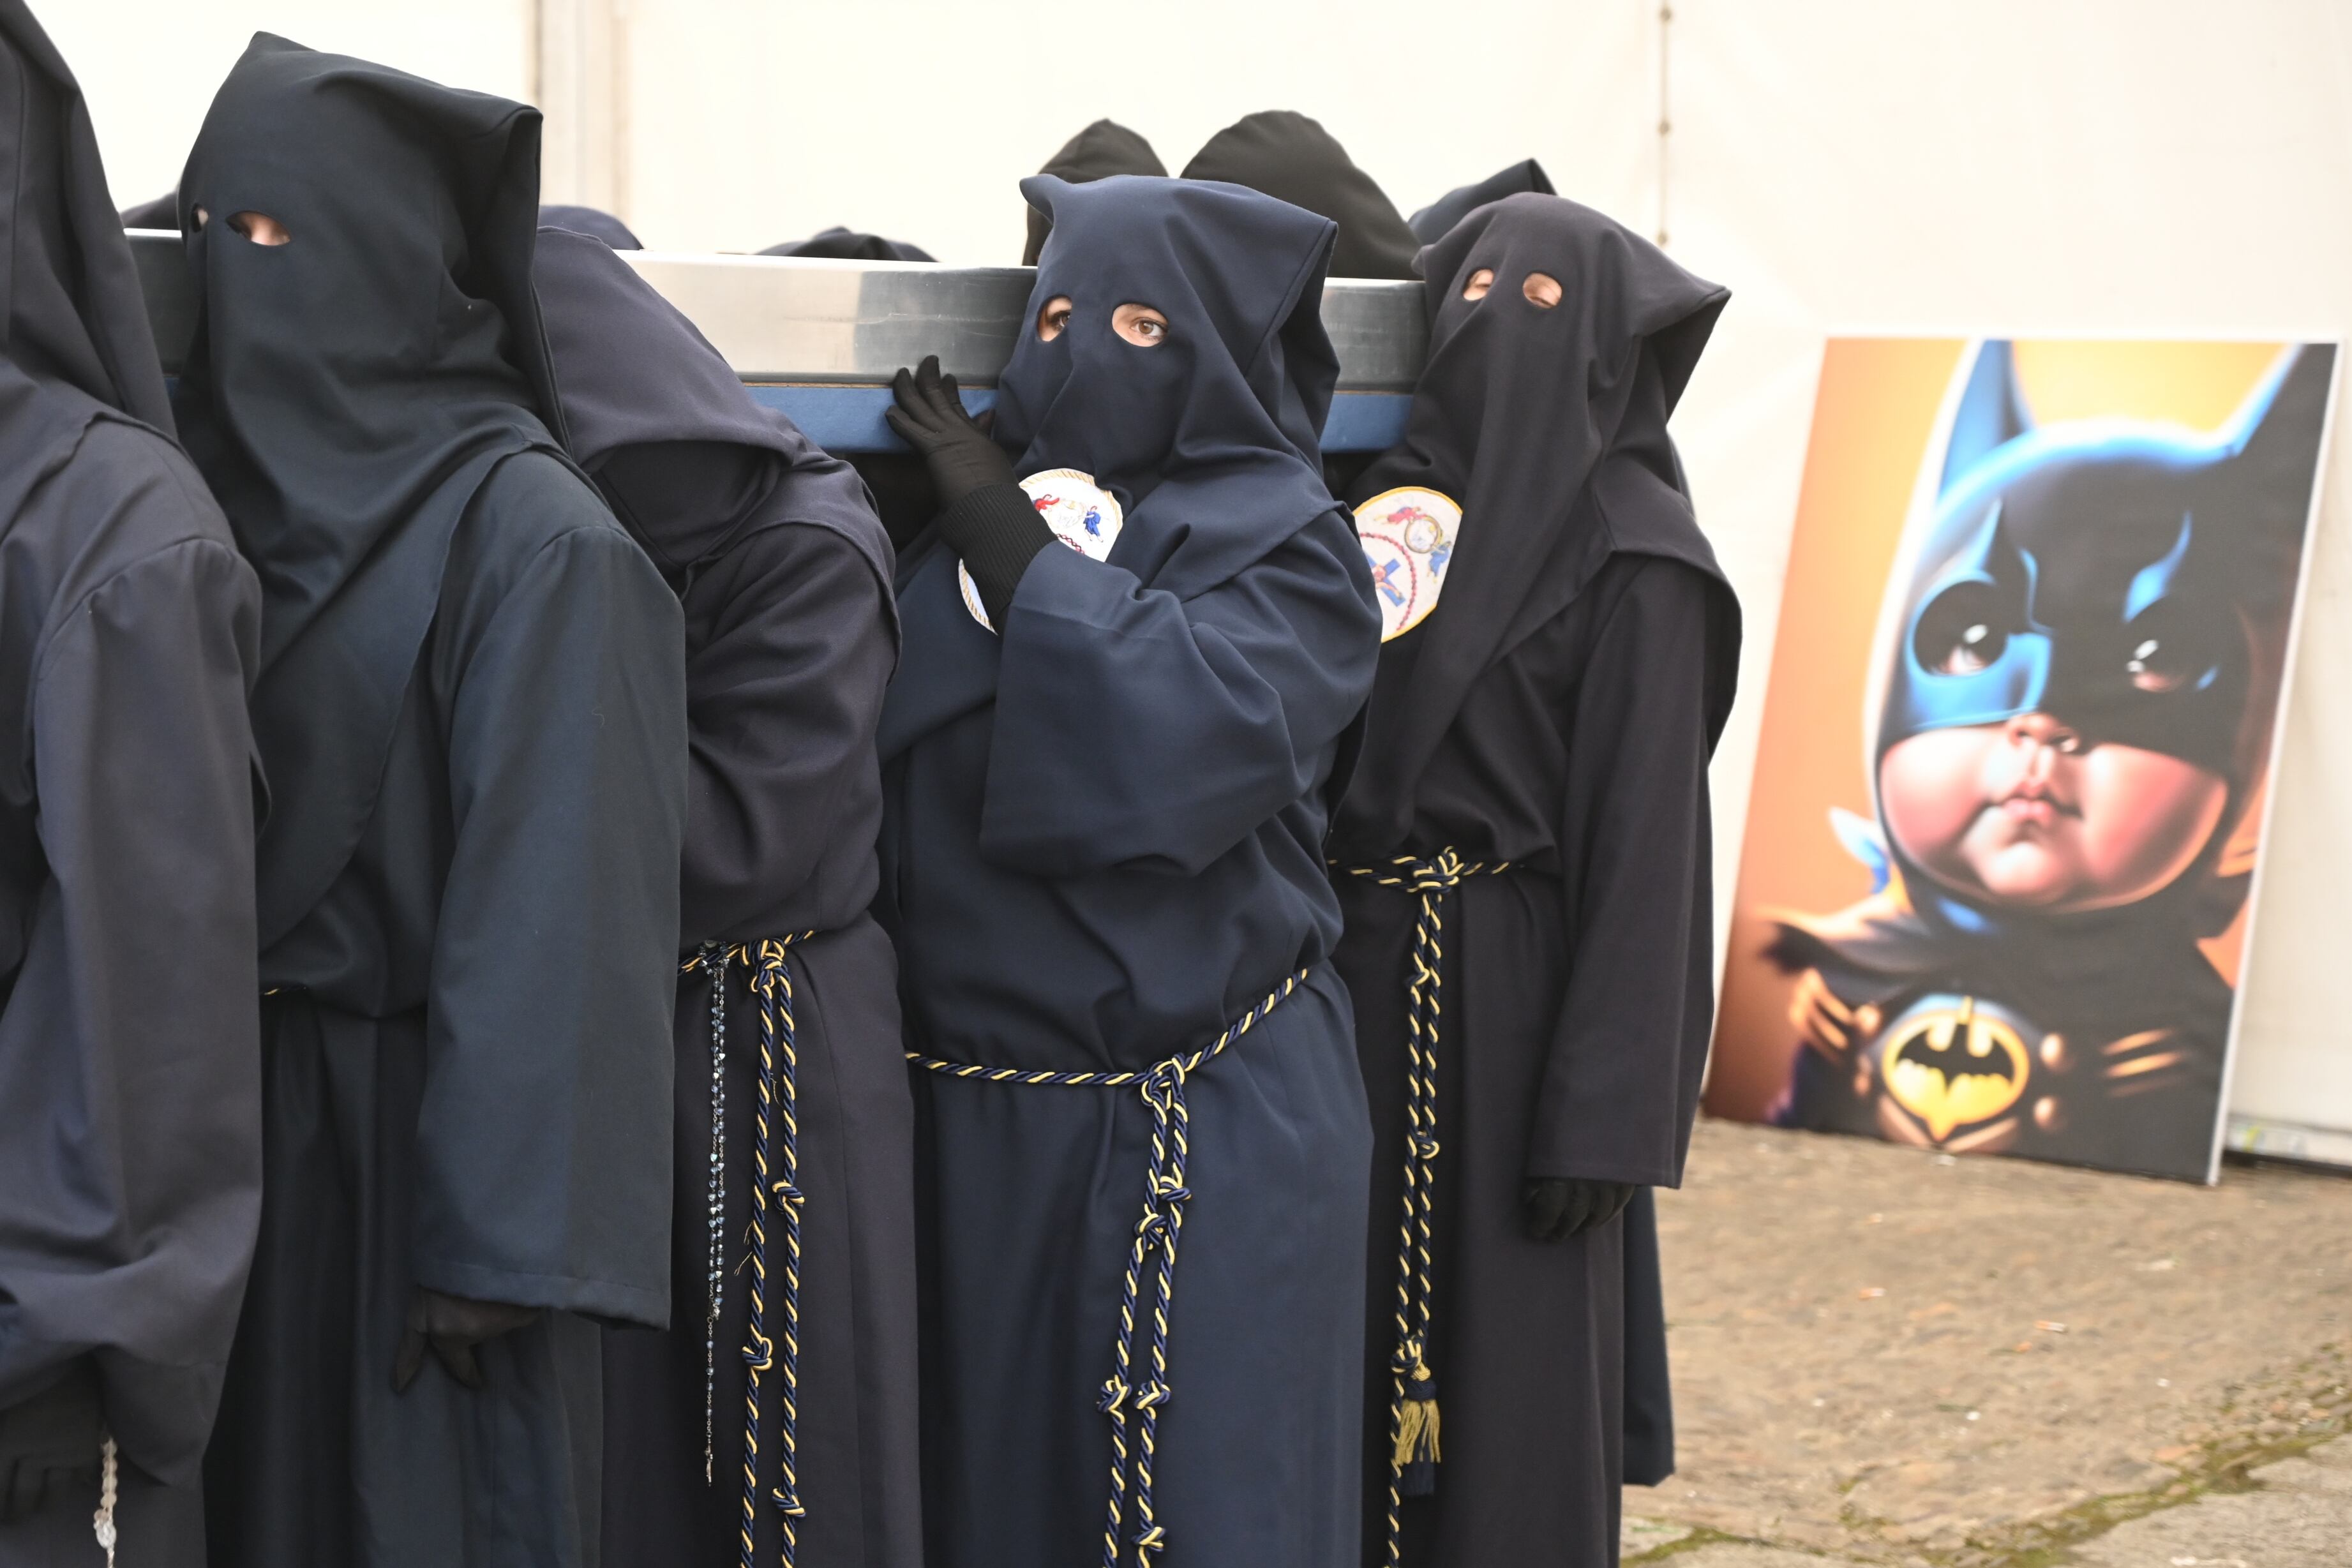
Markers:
<point>109,1481</point>
<point>1417,1454</point>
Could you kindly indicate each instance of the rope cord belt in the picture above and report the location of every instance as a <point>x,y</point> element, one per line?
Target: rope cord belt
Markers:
<point>1415,1453</point>
<point>1156,1234</point>
<point>772,983</point>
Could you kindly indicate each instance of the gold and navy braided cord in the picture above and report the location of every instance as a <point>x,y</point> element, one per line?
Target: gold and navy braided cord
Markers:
<point>772,983</point>
<point>1414,1385</point>
<point>1162,1086</point>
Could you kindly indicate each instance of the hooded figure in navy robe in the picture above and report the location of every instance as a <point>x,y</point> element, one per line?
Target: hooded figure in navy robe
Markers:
<point>791,635</point>
<point>1130,681</point>
<point>1524,860</point>
<point>472,709</point>
<point>1649,1394</point>
<point>129,1097</point>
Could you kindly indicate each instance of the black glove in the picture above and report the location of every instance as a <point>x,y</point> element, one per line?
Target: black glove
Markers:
<point>984,517</point>
<point>454,1325</point>
<point>956,448</point>
<point>48,1439</point>
<point>1552,1209</point>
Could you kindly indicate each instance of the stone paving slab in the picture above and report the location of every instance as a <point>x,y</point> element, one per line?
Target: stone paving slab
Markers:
<point>1903,1358</point>
<point>1637,1536</point>
<point>1742,1554</point>
<point>2298,1514</point>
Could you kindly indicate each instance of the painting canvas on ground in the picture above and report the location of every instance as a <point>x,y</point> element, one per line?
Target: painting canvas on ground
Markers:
<point>1995,889</point>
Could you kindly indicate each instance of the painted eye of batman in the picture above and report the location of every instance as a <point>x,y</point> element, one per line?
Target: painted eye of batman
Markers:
<point>1961,631</point>
<point>2161,654</point>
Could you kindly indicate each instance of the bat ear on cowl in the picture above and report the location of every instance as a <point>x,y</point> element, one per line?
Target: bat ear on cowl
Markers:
<point>2278,426</point>
<point>1991,412</point>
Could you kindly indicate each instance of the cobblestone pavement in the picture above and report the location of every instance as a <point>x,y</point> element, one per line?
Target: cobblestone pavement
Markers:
<point>1888,1357</point>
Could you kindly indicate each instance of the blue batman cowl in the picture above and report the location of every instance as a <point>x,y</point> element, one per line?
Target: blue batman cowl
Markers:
<point>2132,581</point>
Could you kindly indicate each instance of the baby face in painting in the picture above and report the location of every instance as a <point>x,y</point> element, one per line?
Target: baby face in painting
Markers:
<point>2024,813</point>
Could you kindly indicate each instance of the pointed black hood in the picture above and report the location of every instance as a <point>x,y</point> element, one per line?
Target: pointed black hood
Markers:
<point>347,392</point>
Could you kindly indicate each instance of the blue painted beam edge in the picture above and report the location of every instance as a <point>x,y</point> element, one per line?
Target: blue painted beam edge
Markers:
<point>849,419</point>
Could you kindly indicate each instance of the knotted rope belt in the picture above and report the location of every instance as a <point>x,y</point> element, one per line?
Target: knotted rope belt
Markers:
<point>772,983</point>
<point>1412,1406</point>
<point>1156,1234</point>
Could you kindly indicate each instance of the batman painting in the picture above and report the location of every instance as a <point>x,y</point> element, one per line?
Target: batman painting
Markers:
<point>2070,723</point>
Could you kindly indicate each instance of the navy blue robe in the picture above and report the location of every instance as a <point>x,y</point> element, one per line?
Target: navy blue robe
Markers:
<point>1103,844</point>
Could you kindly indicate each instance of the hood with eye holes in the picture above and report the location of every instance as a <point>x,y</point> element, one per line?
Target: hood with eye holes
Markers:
<point>1207,439</point>
<point>1520,412</point>
<point>346,394</point>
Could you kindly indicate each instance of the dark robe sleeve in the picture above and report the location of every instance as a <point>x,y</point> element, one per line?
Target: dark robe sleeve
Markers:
<point>129,1058</point>
<point>1136,729</point>
<point>1621,1085</point>
<point>783,692</point>
<point>543,1144</point>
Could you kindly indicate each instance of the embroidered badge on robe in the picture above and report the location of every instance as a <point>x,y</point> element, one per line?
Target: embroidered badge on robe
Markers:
<point>1408,536</point>
<point>1082,513</point>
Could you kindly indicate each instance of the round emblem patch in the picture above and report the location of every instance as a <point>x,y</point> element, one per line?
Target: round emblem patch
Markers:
<point>1408,536</point>
<point>1082,513</point>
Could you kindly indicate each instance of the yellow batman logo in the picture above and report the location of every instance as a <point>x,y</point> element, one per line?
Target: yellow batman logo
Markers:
<point>1954,1067</point>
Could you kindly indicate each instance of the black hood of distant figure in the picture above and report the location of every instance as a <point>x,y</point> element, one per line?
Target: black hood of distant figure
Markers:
<point>838,244</point>
<point>347,392</point>
<point>594,222</point>
<point>689,461</point>
<point>1209,440</point>
<point>76,322</point>
<point>1430,224</point>
<point>1102,149</point>
<point>1515,412</point>
<point>1293,158</point>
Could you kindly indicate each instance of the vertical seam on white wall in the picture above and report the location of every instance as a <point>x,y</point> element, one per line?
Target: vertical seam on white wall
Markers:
<point>1665,111</point>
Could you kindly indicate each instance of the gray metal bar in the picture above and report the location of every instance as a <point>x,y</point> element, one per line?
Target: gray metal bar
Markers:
<point>818,338</point>
<point>804,320</point>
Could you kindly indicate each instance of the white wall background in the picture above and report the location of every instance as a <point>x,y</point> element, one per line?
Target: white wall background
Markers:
<point>150,67</point>
<point>2055,167</point>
